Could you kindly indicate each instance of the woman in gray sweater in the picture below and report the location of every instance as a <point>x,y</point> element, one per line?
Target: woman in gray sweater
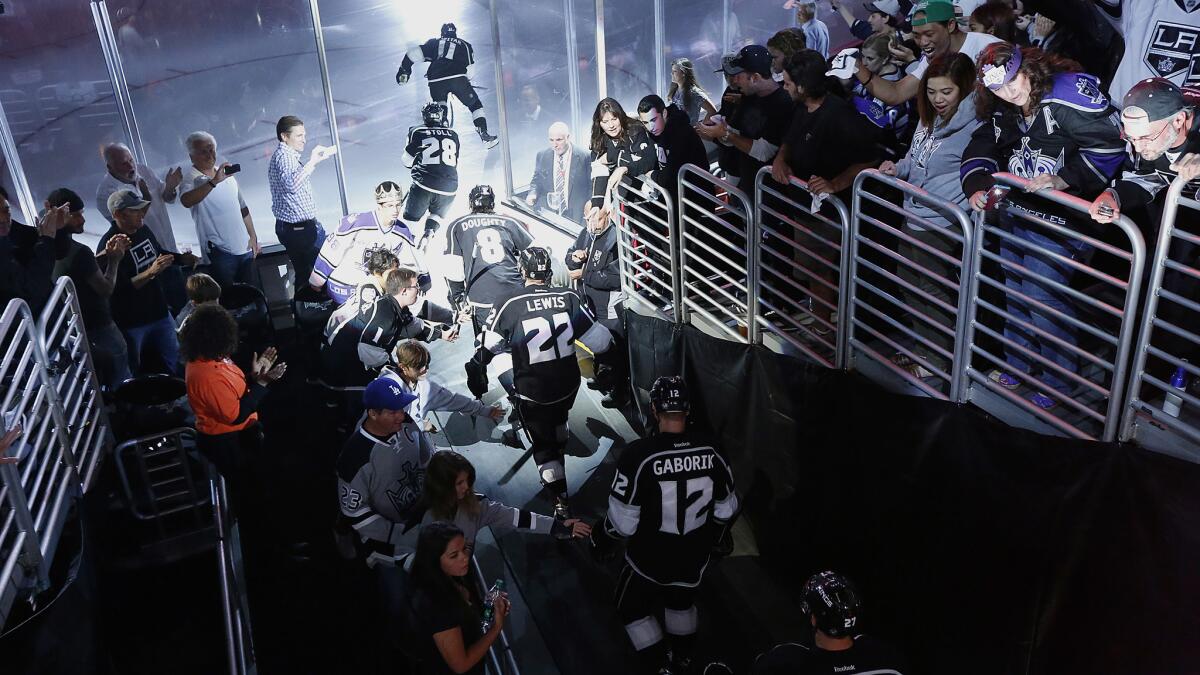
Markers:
<point>947,120</point>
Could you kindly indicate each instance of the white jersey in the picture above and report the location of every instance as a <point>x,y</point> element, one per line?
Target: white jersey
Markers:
<point>1162,39</point>
<point>341,265</point>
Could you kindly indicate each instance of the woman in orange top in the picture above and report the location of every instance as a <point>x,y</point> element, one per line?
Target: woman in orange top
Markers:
<point>224,402</point>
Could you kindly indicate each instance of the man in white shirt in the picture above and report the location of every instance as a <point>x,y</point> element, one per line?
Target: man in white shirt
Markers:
<point>123,172</point>
<point>561,181</point>
<point>223,223</point>
<point>936,33</point>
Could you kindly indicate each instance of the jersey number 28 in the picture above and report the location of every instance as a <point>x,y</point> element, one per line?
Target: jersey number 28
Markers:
<point>542,343</point>
<point>696,493</point>
<point>444,150</point>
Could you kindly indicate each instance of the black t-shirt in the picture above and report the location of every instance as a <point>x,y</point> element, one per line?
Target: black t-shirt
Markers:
<point>132,307</point>
<point>488,244</point>
<point>867,655</point>
<point>434,615</point>
<point>766,117</point>
<point>79,263</point>
<point>678,144</point>
<point>831,138</point>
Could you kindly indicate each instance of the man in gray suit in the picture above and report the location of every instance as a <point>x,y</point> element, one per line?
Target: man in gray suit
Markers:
<point>561,176</point>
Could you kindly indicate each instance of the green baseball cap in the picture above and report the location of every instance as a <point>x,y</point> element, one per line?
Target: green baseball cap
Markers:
<point>934,11</point>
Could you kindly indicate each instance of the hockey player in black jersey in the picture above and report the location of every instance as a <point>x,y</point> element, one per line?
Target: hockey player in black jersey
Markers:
<point>449,56</point>
<point>539,325</point>
<point>483,248</point>
<point>432,155</point>
<point>832,605</point>
<point>671,500</point>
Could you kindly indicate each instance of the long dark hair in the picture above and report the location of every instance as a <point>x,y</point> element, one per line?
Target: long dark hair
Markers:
<point>689,85</point>
<point>440,476</point>
<point>997,17</point>
<point>628,124</point>
<point>210,334</point>
<point>1039,66</point>
<point>427,573</point>
<point>959,69</point>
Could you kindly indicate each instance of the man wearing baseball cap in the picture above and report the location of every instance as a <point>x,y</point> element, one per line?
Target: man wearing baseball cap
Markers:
<point>764,113</point>
<point>1164,133</point>
<point>882,17</point>
<point>936,33</point>
<point>139,302</point>
<point>380,471</point>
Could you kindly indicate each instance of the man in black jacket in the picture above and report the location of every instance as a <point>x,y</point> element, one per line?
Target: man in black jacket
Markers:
<point>676,142</point>
<point>593,263</point>
<point>27,256</point>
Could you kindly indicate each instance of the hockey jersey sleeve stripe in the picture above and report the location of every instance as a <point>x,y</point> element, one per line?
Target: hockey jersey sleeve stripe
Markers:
<point>725,509</point>
<point>623,517</point>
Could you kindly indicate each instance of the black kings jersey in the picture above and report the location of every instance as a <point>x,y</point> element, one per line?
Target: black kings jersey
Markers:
<point>448,57</point>
<point>866,656</point>
<point>539,324</point>
<point>434,157</point>
<point>669,497</point>
<point>487,245</point>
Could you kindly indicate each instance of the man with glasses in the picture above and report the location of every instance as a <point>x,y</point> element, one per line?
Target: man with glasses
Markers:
<point>341,265</point>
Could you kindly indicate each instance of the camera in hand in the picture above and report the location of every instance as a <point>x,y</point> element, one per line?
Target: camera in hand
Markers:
<point>232,169</point>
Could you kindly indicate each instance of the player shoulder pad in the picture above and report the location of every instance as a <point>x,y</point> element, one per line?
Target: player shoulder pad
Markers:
<point>356,221</point>
<point>1078,91</point>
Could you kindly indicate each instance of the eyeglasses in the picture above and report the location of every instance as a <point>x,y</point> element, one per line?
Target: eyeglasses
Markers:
<point>1144,139</point>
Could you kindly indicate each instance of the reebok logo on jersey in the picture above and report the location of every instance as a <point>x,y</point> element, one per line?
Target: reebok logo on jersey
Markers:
<point>1175,48</point>
<point>679,464</point>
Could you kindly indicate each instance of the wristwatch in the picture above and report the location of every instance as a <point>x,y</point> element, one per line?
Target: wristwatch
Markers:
<point>212,184</point>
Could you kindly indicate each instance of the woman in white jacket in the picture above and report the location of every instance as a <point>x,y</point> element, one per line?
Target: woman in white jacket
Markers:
<point>947,120</point>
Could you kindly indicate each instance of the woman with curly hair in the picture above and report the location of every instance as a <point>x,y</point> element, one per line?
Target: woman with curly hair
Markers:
<point>1047,122</point>
<point>224,403</point>
<point>783,45</point>
<point>450,492</point>
<point>687,94</point>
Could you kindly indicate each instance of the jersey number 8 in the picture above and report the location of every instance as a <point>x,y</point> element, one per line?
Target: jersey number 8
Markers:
<point>489,246</point>
<point>541,343</point>
<point>444,150</point>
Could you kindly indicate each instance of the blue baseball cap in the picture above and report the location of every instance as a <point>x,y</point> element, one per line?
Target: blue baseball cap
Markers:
<point>386,394</point>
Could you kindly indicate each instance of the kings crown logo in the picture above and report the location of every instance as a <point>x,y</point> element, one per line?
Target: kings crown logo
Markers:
<point>1174,48</point>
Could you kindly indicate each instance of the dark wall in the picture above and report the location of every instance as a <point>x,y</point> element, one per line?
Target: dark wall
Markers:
<point>978,547</point>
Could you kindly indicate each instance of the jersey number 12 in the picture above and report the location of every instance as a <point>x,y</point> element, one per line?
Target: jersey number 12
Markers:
<point>697,494</point>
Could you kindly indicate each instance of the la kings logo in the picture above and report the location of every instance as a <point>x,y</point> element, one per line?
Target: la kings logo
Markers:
<point>1188,5</point>
<point>1175,48</point>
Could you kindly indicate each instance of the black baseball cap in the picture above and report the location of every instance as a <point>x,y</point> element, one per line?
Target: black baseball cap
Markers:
<point>751,58</point>
<point>1155,98</point>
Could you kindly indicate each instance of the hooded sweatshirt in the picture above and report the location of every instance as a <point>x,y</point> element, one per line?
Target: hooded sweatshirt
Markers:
<point>933,160</point>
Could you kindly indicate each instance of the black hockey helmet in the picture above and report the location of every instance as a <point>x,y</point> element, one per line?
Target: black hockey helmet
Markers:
<point>535,263</point>
<point>449,30</point>
<point>669,394</point>
<point>434,114</point>
<point>482,198</point>
<point>834,601</point>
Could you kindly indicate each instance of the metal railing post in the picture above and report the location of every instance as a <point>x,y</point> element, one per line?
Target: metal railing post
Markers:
<point>16,170</point>
<point>116,74</point>
<point>330,111</point>
<point>601,55</point>
<point>573,92</point>
<point>501,112</point>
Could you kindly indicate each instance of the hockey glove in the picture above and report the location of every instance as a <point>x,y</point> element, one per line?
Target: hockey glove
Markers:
<point>604,547</point>
<point>402,75</point>
<point>477,379</point>
<point>457,294</point>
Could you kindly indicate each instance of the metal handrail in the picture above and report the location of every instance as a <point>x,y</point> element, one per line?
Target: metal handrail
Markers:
<point>1130,286</point>
<point>740,206</point>
<point>834,355</point>
<point>636,281</point>
<point>505,647</point>
<point>1134,403</point>
<point>63,333</point>
<point>964,236</point>
<point>239,640</point>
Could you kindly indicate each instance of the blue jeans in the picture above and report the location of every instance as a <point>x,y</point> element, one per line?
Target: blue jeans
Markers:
<point>229,268</point>
<point>302,241</point>
<point>110,354</point>
<point>1041,317</point>
<point>159,338</point>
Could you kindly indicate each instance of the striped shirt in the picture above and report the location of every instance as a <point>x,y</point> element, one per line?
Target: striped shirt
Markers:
<point>291,190</point>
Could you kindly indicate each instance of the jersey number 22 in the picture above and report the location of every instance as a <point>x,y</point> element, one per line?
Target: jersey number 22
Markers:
<point>541,341</point>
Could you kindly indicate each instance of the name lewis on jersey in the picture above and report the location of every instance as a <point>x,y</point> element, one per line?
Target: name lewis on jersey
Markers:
<point>546,302</point>
<point>682,464</point>
<point>1174,48</point>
